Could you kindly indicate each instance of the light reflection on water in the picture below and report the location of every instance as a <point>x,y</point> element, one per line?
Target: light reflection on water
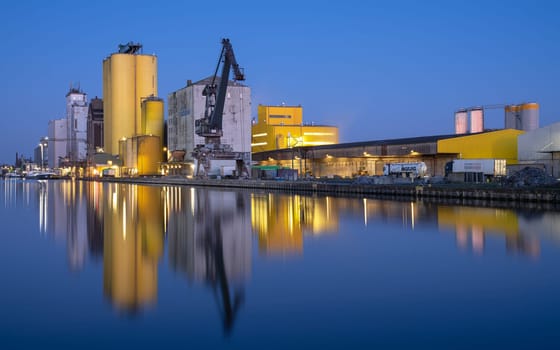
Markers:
<point>226,242</point>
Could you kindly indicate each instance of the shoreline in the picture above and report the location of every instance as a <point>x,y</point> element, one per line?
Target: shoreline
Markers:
<point>452,192</point>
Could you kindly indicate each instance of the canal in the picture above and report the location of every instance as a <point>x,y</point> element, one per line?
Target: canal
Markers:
<point>107,265</point>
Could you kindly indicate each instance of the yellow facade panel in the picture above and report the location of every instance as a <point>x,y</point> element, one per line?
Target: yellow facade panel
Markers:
<point>281,127</point>
<point>280,115</point>
<point>501,144</point>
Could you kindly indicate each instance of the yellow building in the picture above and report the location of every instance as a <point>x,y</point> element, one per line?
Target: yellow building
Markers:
<point>500,144</point>
<point>128,78</point>
<point>280,127</point>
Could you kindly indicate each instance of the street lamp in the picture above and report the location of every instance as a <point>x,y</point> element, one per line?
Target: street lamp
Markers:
<point>43,143</point>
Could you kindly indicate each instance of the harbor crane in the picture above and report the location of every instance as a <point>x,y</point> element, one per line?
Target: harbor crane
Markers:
<point>210,127</point>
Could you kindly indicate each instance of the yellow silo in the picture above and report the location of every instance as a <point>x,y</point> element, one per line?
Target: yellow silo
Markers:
<point>128,77</point>
<point>146,84</point>
<point>149,154</point>
<point>152,117</point>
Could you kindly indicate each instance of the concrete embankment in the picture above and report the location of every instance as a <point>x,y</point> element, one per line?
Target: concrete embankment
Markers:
<point>549,194</point>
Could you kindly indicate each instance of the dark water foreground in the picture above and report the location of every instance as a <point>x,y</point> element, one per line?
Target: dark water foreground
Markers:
<point>113,265</point>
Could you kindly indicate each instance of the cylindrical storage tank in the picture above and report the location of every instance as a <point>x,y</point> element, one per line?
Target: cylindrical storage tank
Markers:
<point>152,117</point>
<point>149,154</point>
<point>529,116</point>
<point>461,121</point>
<point>512,118</point>
<point>120,116</point>
<point>477,120</point>
<point>146,84</point>
<point>107,132</point>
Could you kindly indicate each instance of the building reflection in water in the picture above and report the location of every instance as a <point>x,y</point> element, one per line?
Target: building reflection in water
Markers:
<point>210,241</point>
<point>132,244</point>
<point>62,213</point>
<point>473,224</point>
<point>280,220</point>
<point>209,231</point>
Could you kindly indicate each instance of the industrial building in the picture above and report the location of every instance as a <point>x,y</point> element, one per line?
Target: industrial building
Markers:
<point>57,142</point>
<point>520,143</point>
<point>541,148</point>
<point>369,157</point>
<point>76,121</point>
<point>281,127</point>
<point>132,110</point>
<point>95,126</point>
<point>188,104</point>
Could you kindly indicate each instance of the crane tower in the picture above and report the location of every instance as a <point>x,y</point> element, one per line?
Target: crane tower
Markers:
<point>210,126</point>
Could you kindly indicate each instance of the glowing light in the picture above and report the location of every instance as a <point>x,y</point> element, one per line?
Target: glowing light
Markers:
<point>318,133</point>
<point>365,211</point>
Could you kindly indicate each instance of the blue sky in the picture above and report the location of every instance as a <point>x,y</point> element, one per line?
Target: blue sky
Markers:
<point>376,69</point>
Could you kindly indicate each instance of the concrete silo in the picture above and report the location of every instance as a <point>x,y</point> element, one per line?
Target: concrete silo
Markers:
<point>477,120</point>
<point>522,117</point>
<point>128,76</point>
<point>512,117</point>
<point>461,121</point>
<point>529,116</point>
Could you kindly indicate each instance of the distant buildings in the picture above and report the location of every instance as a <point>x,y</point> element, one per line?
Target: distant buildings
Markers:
<point>95,126</point>
<point>57,134</point>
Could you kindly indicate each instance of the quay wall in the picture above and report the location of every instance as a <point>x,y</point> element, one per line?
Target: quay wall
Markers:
<point>469,192</point>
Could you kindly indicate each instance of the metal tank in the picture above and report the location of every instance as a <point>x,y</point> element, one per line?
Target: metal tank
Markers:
<point>477,120</point>
<point>107,105</point>
<point>529,116</point>
<point>512,117</point>
<point>119,112</point>
<point>149,154</point>
<point>146,84</point>
<point>461,121</point>
<point>152,117</point>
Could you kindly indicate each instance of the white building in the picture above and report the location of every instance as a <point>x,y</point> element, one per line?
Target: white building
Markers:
<point>188,104</point>
<point>76,117</point>
<point>541,146</point>
<point>57,135</point>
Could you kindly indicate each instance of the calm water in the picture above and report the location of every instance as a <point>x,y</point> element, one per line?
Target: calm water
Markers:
<point>108,265</point>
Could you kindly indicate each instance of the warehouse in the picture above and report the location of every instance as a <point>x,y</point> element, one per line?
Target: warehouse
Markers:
<point>369,157</point>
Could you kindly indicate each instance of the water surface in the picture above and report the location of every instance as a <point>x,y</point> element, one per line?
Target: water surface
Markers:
<point>92,265</point>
